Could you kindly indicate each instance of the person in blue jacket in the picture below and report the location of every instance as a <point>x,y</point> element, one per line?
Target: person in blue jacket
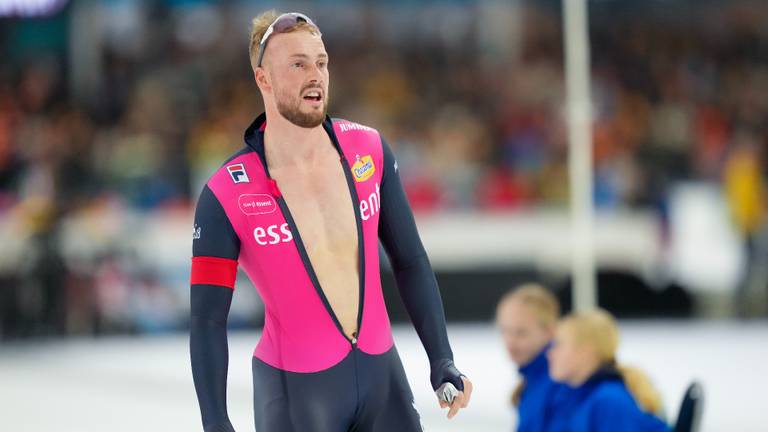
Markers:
<point>527,318</point>
<point>606,396</point>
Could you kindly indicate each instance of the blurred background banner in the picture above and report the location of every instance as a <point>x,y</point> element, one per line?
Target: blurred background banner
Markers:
<point>113,113</point>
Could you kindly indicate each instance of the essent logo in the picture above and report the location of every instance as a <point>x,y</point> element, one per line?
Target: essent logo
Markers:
<point>255,204</point>
<point>271,235</point>
<point>369,207</point>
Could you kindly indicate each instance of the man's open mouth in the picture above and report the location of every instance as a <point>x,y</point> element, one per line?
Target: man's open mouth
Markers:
<point>313,95</point>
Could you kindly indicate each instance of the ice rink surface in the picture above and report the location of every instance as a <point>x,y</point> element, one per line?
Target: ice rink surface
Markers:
<point>126,384</point>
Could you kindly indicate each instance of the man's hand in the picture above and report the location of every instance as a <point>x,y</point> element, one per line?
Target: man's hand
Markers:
<point>453,389</point>
<point>460,398</point>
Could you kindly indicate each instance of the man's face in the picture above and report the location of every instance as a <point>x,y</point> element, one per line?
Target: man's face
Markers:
<point>297,65</point>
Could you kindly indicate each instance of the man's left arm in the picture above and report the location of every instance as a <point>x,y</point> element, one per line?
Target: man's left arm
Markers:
<point>415,280</point>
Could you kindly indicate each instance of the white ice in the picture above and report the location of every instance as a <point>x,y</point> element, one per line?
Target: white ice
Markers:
<point>144,384</point>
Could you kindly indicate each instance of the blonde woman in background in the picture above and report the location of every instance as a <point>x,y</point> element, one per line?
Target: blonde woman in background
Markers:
<point>527,318</point>
<point>606,397</point>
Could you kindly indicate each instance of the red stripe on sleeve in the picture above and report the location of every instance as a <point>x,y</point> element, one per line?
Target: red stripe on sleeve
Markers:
<point>213,271</point>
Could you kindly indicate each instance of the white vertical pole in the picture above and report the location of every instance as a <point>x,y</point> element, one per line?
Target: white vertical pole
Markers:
<point>576,41</point>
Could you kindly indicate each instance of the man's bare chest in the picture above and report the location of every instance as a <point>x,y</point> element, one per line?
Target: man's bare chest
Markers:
<point>321,205</point>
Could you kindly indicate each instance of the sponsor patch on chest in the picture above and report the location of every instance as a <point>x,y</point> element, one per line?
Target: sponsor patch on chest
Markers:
<point>256,204</point>
<point>363,168</point>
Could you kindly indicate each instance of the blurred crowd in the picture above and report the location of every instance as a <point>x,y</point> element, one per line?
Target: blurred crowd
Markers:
<point>133,125</point>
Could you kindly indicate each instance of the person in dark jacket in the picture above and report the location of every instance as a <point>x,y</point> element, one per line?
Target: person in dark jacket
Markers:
<point>527,318</point>
<point>606,396</point>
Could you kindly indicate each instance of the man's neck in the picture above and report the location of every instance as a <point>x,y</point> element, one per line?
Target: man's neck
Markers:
<point>289,146</point>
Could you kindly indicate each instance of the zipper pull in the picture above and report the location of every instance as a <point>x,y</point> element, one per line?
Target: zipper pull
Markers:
<point>354,339</point>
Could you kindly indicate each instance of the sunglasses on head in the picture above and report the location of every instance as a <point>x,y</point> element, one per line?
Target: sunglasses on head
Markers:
<point>282,24</point>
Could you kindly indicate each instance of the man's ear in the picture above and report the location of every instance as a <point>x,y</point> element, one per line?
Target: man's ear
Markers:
<point>262,79</point>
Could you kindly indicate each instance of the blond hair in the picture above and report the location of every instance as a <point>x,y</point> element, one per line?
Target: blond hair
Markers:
<point>259,26</point>
<point>544,306</point>
<point>598,330</point>
<point>538,299</point>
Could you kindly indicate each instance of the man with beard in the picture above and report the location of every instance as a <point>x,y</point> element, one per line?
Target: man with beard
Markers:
<point>301,209</point>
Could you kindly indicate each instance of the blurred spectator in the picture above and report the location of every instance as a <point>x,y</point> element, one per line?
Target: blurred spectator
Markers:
<point>743,183</point>
<point>527,318</point>
<point>606,395</point>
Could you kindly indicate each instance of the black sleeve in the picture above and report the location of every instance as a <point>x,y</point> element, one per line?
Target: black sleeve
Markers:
<point>213,236</point>
<point>415,280</point>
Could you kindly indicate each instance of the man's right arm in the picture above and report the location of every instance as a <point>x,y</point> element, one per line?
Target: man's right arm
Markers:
<point>215,249</point>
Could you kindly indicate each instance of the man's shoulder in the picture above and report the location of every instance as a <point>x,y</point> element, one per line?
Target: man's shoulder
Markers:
<point>240,167</point>
<point>344,126</point>
<point>358,137</point>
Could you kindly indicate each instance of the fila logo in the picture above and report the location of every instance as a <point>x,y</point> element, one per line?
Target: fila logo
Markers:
<point>238,174</point>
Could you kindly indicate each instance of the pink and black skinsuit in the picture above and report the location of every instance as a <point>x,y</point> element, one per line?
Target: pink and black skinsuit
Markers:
<point>307,374</point>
